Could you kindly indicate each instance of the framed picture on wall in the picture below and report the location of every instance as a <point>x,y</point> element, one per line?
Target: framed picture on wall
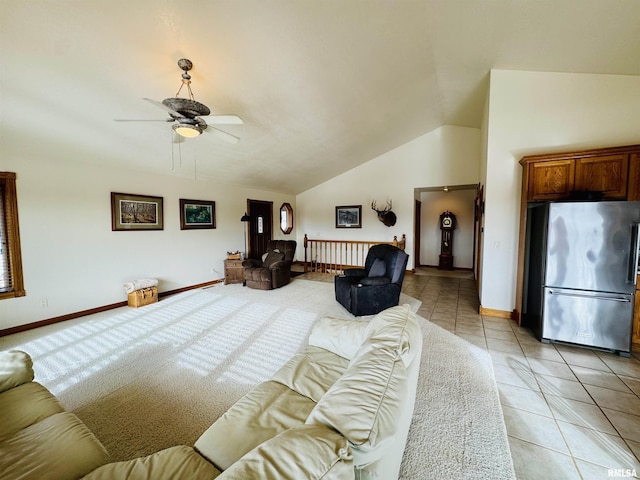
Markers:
<point>197,214</point>
<point>136,212</point>
<point>349,216</point>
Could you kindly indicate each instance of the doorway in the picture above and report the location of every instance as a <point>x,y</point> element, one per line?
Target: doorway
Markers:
<point>417,228</point>
<point>478,233</point>
<point>429,204</point>
<point>260,227</point>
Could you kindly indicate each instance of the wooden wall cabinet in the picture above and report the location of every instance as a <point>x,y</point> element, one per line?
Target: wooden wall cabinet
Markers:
<point>550,180</point>
<point>555,179</point>
<point>607,174</point>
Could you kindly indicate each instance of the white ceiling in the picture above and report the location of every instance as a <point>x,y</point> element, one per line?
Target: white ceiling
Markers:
<point>322,85</point>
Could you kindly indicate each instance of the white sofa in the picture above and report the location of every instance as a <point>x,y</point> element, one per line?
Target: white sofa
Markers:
<point>339,410</point>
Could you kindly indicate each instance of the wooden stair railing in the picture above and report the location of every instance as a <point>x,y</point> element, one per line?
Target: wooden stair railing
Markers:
<point>333,256</point>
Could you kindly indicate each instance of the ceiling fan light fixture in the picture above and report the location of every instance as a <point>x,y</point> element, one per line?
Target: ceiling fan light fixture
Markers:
<point>187,130</point>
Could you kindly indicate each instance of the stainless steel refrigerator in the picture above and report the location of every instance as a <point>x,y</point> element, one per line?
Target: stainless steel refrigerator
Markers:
<point>581,263</point>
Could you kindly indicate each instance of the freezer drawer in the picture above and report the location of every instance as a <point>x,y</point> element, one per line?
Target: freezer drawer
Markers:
<point>593,319</point>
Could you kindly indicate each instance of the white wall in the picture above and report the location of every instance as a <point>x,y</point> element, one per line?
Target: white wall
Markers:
<point>538,112</point>
<point>461,204</point>
<point>447,156</point>
<point>73,260</point>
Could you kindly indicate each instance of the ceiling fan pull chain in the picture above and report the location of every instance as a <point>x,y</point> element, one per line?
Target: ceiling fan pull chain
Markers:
<point>173,160</point>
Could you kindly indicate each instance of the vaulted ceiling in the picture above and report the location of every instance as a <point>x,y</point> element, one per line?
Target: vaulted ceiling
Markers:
<point>322,85</point>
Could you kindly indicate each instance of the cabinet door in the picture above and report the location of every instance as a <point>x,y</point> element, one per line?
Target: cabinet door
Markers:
<point>550,180</point>
<point>607,175</point>
<point>633,190</point>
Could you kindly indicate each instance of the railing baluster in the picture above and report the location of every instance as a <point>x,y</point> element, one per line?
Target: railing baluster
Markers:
<point>333,256</point>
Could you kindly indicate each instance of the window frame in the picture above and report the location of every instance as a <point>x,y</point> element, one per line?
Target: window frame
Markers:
<point>14,254</point>
<point>287,210</point>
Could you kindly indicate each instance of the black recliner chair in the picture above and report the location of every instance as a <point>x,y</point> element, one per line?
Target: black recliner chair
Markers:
<point>377,286</point>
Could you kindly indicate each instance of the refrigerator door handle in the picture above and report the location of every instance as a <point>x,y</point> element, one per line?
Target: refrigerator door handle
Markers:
<point>633,258</point>
<point>595,297</point>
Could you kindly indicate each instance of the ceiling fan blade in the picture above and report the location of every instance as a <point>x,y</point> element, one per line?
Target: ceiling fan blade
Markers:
<point>222,119</point>
<point>224,135</point>
<point>164,107</point>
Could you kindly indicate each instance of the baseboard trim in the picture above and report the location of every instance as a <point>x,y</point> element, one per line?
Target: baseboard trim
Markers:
<point>490,312</point>
<point>91,311</point>
<point>438,267</point>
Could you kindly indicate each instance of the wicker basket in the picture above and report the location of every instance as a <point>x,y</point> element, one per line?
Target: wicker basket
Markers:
<point>145,296</point>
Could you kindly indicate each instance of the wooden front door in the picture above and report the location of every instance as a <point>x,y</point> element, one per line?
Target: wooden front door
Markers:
<point>260,226</point>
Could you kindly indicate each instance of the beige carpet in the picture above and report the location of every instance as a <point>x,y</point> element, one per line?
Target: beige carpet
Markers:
<point>149,378</point>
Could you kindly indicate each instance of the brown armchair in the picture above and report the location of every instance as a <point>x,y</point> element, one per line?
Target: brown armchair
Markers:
<point>275,270</point>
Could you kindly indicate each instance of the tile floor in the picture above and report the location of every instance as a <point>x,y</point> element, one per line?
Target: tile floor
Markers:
<point>570,413</point>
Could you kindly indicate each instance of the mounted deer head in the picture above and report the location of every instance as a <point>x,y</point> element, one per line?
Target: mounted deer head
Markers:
<point>386,216</point>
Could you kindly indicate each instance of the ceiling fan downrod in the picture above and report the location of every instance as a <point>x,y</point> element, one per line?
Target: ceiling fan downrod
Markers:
<point>185,65</point>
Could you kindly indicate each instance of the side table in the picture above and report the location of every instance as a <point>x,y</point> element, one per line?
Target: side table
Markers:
<point>233,271</point>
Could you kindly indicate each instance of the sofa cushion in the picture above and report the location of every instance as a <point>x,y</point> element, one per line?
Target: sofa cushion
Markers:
<point>303,452</point>
<point>364,404</point>
<point>25,405</point>
<point>41,450</point>
<point>169,464</point>
<point>261,414</point>
<point>340,336</point>
<point>396,328</point>
<point>16,368</point>
<point>312,372</point>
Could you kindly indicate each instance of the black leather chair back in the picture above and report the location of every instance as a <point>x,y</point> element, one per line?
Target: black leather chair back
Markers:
<point>395,261</point>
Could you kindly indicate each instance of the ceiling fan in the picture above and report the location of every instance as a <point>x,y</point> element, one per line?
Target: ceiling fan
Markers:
<point>191,118</point>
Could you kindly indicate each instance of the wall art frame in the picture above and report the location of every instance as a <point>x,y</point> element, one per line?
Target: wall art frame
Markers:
<point>349,216</point>
<point>136,212</point>
<point>197,214</point>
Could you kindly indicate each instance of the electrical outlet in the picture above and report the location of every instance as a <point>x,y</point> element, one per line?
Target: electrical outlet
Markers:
<point>44,303</point>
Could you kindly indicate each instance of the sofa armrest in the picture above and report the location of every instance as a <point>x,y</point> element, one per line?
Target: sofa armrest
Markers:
<point>16,368</point>
<point>305,451</point>
<point>169,464</point>
<point>370,281</point>
<point>280,265</point>
<point>354,272</point>
<point>251,263</point>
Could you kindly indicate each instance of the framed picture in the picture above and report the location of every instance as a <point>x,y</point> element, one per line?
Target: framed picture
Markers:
<point>196,214</point>
<point>136,212</point>
<point>349,217</point>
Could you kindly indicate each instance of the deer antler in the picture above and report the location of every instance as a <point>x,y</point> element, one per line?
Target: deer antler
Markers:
<point>385,210</point>
<point>386,216</point>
